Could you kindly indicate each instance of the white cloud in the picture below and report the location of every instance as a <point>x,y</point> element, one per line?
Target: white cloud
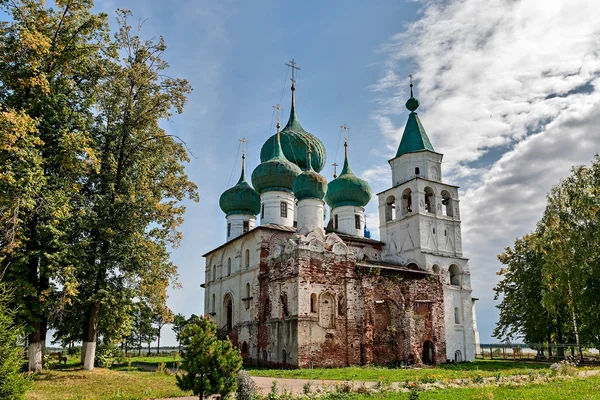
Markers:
<point>520,76</point>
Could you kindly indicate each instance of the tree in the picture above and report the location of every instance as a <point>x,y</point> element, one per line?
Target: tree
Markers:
<point>135,193</point>
<point>551,282</point>
<point>211,364</point>
<point>162,316</point>
<point>178,324</point>
<point>50,66</point>
<point>143,331</point>
<point>13,384</point>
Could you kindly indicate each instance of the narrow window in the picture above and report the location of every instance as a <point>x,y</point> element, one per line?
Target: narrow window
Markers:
<point>454,275</point>
<point>262,211</point>
<point>264,355</point>
<point>284,357</point>
<point>335,221</point>
<point>434,231</point>
<point>247,258</point>
<point>229,229</point>
<point>214,305</point>
<point>390,208</point>
<point>247,296</point>
<point>229,266</point>
<point>429,200</point>
<point>246,226</point>
<point>357,221</point>
<point>407,201</point>
<point>456,315</point>
<point>214,272</point>
<point>283,209</point>
<point>313,303</point>
<point>445,233</point>
<point>446,204</point>
<point>417,171</point>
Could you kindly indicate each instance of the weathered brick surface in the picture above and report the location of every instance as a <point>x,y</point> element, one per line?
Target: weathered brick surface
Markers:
<point>318,306</point>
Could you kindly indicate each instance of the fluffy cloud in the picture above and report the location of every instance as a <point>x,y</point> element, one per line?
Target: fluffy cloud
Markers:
<point>510,93</point>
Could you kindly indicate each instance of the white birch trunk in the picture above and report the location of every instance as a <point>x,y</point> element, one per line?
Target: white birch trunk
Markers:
<point>88,353</point>
<point>35,356</point>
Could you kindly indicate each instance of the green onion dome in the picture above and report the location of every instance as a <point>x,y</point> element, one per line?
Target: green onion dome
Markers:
<point>347,189</point>
<point>276,173</point>
<point>294,142</point>
<point>241,198</point>
<point>310,184</point>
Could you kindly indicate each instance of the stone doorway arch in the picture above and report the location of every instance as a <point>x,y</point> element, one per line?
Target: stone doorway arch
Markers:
<point>427,357</point>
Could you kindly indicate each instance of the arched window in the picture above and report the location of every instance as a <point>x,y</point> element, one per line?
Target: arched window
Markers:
<point>214,273</point>
<point>429,200</point>
<point>406,201</point>
<point>457,356</point>
<point>247,296</point>
<point>228,305</point>
<point>436,269</point>
<point>454,275</point>
<point>326,310</point>
<point>247,259</point>
<point>284,357</point>
<point>245,350</point>
<point>313,303</point>
<point>417,171</point>
<point>341,306</point>
<point>446,203</point>
<point>264,355</point>
<point>229,266</point>
<point>390,208</point>
<point>335,221</point>
<point>456,315</point>
<point>214,303</point>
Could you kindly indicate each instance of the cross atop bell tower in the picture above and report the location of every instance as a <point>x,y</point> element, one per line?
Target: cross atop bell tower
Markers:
<point>292,65</point>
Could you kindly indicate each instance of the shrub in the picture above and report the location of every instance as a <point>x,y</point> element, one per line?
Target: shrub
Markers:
<point>13,384</point>
<point>247,389</point>
<point>107,355</point>
<point>211,364</point>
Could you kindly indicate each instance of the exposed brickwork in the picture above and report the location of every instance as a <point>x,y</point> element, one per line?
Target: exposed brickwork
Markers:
<point>371,313</point>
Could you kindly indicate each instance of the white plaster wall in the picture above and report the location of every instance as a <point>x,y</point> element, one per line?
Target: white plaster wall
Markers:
<point>429,164</point>
<point>475,330</point>
<point>237,224</point>
<point>234,284</point>
<point>459,336</point>
<point>310,215</point>
<point>346,221</point>
<point>271,204</point>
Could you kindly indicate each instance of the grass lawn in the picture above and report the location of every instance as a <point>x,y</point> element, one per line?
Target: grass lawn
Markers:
<point>575,389</point>
<point>373,374</point>
<point>102,384</point>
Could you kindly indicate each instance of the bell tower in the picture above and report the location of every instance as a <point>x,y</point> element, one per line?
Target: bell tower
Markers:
<point>419,220</point>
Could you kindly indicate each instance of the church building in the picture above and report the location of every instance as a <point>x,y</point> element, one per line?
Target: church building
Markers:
<point>295,291</point>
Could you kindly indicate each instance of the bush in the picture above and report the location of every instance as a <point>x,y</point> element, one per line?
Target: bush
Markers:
<point>247,389</point>
<point>13,384</point>
<point>107,355</point>
<point>211,364</point>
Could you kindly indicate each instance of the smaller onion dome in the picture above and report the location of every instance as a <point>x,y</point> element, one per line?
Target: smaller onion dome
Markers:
<point>347,189</point>
<point>367,232</point>
<point>241,198</point>
<point>277,173</point>
<point>309,184</point>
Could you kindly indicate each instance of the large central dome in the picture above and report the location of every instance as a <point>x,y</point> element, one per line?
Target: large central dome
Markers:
<point>294,143</point>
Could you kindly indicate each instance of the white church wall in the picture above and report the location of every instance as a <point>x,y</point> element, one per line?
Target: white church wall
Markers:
<point>271,208</point>
<point>310,215</point>
<point>346,220</point>
<point>404,168</point>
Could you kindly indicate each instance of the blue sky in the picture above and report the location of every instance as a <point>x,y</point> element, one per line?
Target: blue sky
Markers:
<point>509,93</point>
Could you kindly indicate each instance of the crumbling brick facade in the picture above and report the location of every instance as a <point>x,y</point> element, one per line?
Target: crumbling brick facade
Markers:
<point>328,300</point>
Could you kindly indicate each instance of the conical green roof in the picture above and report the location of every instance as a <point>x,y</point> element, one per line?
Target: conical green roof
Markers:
<point>294,142</point>
<point>310,184</point>
<point>241,198</point>
<point>347,189</point>
<point>414,137</point>
<point>277,173</point>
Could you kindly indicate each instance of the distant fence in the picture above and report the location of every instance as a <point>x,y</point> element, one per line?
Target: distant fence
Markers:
<point>539,352</point>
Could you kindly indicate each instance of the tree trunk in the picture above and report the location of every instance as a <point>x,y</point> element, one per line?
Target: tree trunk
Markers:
<point>34,351</point>
<point>575,326</point>
<point>158,344</point>
<point>560,350</point>
<point>90,336</point>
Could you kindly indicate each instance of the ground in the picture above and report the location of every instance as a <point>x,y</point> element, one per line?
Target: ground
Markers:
<point>141,382</point>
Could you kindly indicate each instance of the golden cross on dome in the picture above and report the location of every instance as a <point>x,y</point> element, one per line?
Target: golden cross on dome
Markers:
<point>334,170</point>
<point>293,66</point>
<point>346,128</point>
<point>243,141</point>
<point>411,84</point>
<point>278,108</point>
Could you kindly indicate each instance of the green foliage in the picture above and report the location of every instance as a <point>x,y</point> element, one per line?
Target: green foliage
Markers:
<point>551,278</point>
<point>13,384</point>
<point>211,364</point>
<point>107,355</point>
